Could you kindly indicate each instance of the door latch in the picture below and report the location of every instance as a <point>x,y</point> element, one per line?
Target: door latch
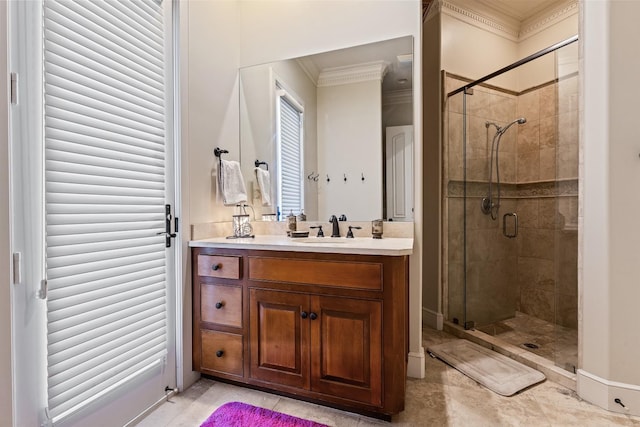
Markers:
<point>167,224</point>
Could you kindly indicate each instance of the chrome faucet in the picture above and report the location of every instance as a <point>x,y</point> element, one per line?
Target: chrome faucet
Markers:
<point>335,231</point>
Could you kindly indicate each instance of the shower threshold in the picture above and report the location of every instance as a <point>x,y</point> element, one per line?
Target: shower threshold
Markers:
<point>521,354</point>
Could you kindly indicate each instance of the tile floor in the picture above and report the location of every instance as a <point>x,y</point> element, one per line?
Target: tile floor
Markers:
<point>444,397</point>
<point>556,343</point>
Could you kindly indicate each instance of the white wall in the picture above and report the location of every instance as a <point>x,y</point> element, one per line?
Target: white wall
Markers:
<point>275,30</point>
<point>208,74</point>
<point>542,70</point>
<point>209,100</point>
<point>609,342</point>
<point>6,392</point>
<point>473,52</point>
<point>350,143</point>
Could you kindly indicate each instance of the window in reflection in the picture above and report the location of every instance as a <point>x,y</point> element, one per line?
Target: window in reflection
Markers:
<point>289,125</point>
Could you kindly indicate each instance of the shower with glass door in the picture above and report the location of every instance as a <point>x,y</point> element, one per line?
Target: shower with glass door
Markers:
<point>510,202</point>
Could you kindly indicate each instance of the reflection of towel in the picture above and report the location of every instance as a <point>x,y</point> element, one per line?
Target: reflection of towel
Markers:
<point>264,183</point>
<point>231,183</point>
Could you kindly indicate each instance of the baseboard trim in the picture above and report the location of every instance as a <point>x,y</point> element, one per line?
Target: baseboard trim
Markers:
<point>432,319</point>
<point>604,393</point>
<point>416,364</point>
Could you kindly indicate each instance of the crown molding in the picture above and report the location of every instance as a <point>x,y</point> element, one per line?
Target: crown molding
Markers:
<point>397,97</point>
<point>353,74</point>
<point>500,24</point>
<point>483,21</point>
<point>546,19</point>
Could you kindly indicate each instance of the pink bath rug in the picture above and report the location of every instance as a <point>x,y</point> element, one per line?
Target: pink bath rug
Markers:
<point>236,414</point>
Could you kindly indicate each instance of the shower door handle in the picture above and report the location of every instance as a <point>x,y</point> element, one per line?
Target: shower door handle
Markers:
<point>514,231</point>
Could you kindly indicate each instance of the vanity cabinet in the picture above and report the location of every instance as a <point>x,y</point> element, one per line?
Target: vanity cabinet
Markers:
<point>329,345</point>
<point>328,328</point>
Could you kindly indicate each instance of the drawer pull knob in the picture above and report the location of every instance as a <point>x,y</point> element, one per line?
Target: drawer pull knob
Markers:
<point>219,353</point>
<point>216,267</point>
<point>219,305</point>
<point>304,315</point>
<point>313,316</point>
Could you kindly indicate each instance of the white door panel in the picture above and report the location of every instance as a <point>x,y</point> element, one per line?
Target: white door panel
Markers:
<point>86,243</point>
<point>29,311</point>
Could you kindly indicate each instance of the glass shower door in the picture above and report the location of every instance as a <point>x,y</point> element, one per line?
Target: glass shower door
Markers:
<point>511,206</point>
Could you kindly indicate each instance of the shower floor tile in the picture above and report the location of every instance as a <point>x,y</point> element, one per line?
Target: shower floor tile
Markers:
<point>556,343</point>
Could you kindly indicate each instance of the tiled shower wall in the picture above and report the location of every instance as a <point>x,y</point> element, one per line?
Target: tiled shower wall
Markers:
<point>536,273</point>
<point>547,177</point>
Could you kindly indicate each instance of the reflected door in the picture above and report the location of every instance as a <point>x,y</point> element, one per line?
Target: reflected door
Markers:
<point>399,165</point>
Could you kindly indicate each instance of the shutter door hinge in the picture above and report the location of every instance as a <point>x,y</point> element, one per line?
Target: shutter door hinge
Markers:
<point>17,268</point>
<point>13,88</point>
<point>44,287</point>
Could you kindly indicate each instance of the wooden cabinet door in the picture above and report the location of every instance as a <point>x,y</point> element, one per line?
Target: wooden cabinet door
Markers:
<point>346,353</point>
<point>279,337</point>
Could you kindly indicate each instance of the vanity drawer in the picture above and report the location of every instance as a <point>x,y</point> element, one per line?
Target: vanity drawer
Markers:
<point>344,274</point>
<point>222,352</point>
<point>224,267</point>
<point>221,304</point>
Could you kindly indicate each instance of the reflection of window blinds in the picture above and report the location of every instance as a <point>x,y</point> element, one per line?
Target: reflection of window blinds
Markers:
<point>105,194</point>
<point>290,158</point>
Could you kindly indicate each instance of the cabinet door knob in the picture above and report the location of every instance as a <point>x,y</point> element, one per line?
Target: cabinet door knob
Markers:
<point>219,305</point>
<point>216,267</point>
<point>313,316</point>
<point>219,353</point>
<point>304,314</point>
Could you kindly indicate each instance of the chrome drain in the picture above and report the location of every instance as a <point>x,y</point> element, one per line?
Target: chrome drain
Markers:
<point>531,345</point>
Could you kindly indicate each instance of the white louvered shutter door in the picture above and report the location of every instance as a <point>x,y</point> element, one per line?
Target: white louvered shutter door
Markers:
<point>104,85</point>
<point>290,158</point>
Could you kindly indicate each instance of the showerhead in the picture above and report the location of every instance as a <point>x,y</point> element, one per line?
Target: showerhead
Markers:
<point>519,121</point>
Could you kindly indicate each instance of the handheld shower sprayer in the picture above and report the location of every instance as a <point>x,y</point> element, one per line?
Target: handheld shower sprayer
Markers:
<point>488,206</point>
<point>502,129</point>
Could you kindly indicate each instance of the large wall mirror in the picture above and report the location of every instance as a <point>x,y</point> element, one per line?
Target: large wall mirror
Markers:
<point>331,133</point>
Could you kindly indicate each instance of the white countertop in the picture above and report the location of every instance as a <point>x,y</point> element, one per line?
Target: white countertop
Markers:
<point>394,246</point>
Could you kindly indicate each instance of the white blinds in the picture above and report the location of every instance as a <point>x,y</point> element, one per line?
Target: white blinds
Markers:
<point>104,90</point>
<point>290,158</point>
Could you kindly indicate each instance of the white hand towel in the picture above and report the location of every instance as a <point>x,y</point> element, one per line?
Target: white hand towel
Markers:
<point>231,183</point>
<point>264,183</point>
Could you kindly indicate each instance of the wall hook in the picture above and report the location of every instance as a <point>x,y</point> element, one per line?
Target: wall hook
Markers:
<point>328,178</point>
<point>362,175</point>
<point>345,177</point>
